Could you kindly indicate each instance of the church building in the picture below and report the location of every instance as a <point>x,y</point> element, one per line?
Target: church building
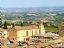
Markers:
<point>21,33</point>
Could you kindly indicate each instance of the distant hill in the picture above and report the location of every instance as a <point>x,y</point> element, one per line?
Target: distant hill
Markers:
<point>33,9</point>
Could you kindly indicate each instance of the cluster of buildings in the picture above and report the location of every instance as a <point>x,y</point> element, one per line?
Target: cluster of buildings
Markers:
<point>34,32</point>
<point>50,40</point>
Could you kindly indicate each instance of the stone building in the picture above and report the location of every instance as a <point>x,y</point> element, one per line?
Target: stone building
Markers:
<point>3,33</point>
<point>21,33</point>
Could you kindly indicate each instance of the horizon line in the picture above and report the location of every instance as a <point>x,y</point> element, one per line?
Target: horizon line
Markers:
<point>31,7</point>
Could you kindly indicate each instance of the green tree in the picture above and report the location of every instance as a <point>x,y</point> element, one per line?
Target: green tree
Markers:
<point>1,24</point>
<point>21,24</point>
<point>5,25</point>
<point>13,25</point>
<point>30,23</point>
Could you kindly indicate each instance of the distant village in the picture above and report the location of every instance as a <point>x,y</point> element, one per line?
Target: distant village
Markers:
<point>33,36</point>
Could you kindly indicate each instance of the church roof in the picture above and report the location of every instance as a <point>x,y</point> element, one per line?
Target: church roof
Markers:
<point>16,28</point>
<point>26,27</point>
<point>1,30</point>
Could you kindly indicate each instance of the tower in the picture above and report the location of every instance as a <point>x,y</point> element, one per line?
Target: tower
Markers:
<point>42,29</point>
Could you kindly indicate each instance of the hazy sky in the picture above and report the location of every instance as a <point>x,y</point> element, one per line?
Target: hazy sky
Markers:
<point>30,3</point>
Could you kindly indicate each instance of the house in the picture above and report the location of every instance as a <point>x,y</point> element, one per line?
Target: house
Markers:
<point>3,33</point>
<point>58,45</point>
<point>51,35</point>
<point>21,33</point>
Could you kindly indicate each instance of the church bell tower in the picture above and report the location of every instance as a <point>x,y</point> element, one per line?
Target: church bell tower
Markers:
<point>42,29</point>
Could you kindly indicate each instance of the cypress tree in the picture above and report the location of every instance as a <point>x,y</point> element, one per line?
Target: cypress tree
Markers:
<point>5,25</point>
<point>13,25</point>
<point>21,24</point>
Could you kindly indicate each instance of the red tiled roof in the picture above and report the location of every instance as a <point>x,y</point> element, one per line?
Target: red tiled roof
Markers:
<point>26,27</point>
<point>23,28</point>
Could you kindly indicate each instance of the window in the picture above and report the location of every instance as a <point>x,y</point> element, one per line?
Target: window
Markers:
<point>32,32</point>
<point>39,32</point>
<point>36,32</point>
<point>26,33</point>
<point>0,33</point>
<point>4,34</point>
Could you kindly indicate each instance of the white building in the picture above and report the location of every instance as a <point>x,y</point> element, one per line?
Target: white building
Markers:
<point>3,33</point>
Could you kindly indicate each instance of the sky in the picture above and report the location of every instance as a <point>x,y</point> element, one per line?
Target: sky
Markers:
<point>30,3</point>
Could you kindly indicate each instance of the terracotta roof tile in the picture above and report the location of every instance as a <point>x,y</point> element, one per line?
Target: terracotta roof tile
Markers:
<point>26,27</point>
<point>22,28</point>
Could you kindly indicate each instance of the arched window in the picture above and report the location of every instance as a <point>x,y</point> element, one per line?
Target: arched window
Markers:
<point>36,32</point>
<point>26,33</point>
<point>39,32</point>
<point>32,32</point>
<point>0,33</point>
